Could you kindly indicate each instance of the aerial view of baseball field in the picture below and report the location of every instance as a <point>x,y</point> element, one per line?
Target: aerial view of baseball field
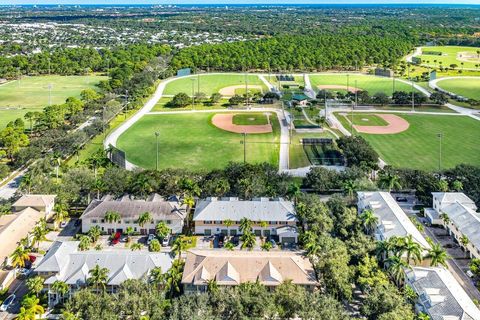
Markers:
<point>462,57</point>
<point>370,83</point>
<point>418,141</point>
<point>225,84</point>
<point>202,141</point>
<point>468,87</point>
<point>34,93</point>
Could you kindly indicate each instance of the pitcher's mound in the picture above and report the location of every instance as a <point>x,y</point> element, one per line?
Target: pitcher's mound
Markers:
<point>224,121</point>
<point>395,124</point>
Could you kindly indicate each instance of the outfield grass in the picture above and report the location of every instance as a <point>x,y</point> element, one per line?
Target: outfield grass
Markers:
<point>466,87</point>
<point>19,97</point>
<point>191,141</point>
<point>450,56</point>
<point>210,83</point>
<point>369,83</point>
<point>298,158</point>
<point>162,105</point>
<point>418,146</point>
<point>360,119</point>
<point>250,119</point>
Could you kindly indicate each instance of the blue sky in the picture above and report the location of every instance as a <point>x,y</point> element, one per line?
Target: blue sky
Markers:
<point>7,2</point>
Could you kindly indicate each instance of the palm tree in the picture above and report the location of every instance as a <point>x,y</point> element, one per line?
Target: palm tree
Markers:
<point>248,240</point>
<point>60,288</point>
<point>20,256</point>
<point>94,233</point>
<point>457,185</point>
<point>157,277</point>
<point>98,186</point>
<point>85,242</point>
<point>464,241</point>
<point>229,246</point>
<point>30,308</point>
<point>61,213</point>
<point>112,217</point>
<point>136,246</point>
<point>411,248</point>
<point>212,285</point>
<point>98,277</point>
<point>178,246</point>
<point>35,284</point>
<point>39,234</point>
<point>442,185</point>
<point>245,225</point>
<point>437,255</point>
<point>310,244</point>
<point>396,268</point>
<point>446,221</point>
<point>26,182</point>
<point>189,202</point>
<point>293,192</point>
<point>144,219</point>
<point>390,181</point>
<point>155,246</point>
<point>266,246</point>
<point>128,232</point>
<point>162,230</point>
<point>228,223</point>
<point>173,278</point>
<point>26,314</point>
<point>370,220</point>
<point>349,188</point>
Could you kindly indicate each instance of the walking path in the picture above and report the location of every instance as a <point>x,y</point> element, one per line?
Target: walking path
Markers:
<point>309,92</point>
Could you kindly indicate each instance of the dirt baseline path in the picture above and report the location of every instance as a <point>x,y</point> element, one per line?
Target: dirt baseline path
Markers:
<point>230,91</point>
<point>396,124</point>
<point>338,87</point>
<point>224,121</point>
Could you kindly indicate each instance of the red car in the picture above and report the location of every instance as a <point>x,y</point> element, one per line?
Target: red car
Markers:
<point>116,237</point>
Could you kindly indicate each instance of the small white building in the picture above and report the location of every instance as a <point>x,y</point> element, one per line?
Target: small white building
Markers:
<point>170,211</point>
<point>440,296</point>
<point>269,217</point>
<point>463,218</point>
<point>392,220</point>
<point>63,262</point>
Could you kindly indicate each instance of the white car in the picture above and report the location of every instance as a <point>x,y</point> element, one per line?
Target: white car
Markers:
<point>165,241</point>
<point>150,238</point>
<point>7,303</point>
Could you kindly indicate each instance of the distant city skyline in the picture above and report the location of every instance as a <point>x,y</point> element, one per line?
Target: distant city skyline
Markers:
<point>232,2</point>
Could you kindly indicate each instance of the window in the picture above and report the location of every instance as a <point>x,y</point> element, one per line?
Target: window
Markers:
<point>208,232</point>
<point>218,222</point>
<point>207,222</point>
<point>168,222</point>
<point>94,220</point>
<point>102,221</point>
<point>127,221</point>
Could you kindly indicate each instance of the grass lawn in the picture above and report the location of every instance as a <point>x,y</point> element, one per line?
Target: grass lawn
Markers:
<point>242,91</point>
<point>372,84</point>
<point>466,87</point>
<point>451,55</point>
<point>360,119</point>
<point>191,141</point>
<point>250,119</point>
<point>161,105</point>
<point>418,146</point>
<point>210,83</point>
<point>298,158</point>
<point>33,93</point>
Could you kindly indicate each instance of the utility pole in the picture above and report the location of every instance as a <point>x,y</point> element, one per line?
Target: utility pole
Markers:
<point>198,82</point>
<point>356,94</point>
<point>126,104</point>
<point>440,136</point>
<point>348,82</point>
<point>193,93</point>
<point>246,87</point>
<point>49,94</point>
<point>244,142</point>
<point>393,85</point>
<point>157,134</point>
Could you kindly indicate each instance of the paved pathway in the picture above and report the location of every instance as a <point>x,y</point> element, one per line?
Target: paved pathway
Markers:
<point>309,92</point>
<point>417,52</point>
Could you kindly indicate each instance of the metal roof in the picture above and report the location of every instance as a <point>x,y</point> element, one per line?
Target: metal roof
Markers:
<point>466,220</point>
<point>261,209</point>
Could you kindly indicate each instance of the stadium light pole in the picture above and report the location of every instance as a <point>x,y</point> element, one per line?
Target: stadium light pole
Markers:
<point>440,137</point>
<point>193,93</point>
<point>157,134</point>
<point>348,81</point>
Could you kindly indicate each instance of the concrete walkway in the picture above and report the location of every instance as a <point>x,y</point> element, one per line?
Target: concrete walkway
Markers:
<point>309,92</point>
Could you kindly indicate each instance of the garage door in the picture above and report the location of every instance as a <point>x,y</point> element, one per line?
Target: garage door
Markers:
<point>287,240</point>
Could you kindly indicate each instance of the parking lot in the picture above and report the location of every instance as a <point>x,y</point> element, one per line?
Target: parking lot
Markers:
<point>218,242</point>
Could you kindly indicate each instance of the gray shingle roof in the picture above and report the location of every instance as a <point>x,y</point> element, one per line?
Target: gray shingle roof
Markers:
<point>441,294</point>
<point>261,209</point>
<point>466,220</point>
<point>128,208</point>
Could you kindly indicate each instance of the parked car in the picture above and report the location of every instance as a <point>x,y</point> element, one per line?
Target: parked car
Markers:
<point>401,199</point>
<point>78,222</point>
<point>470,274</point>
<point>165,241</point>
<point>7,303</point>
<point>274,244</point>
<point>150,238</point>
<point>116,237</point>
<point>235,240</point>
<point>24,273</point>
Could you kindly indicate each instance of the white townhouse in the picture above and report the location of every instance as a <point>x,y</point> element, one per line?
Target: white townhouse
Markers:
<point>63,262</point>
<point>269,217</point>
<point>170,211</point>
<point>440,296</point>
<point>463,218</point>
<point>392,220</point>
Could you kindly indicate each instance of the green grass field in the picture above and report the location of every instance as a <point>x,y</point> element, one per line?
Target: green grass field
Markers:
<point>418,146</point>
<point>211,83</point>
<point>451,55</point>
<point>369,83</point>
<point>466,87</point>
<point>360,119</point>
<point>191,141</point>
<point>250,119</point>
<point>30,93</point>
